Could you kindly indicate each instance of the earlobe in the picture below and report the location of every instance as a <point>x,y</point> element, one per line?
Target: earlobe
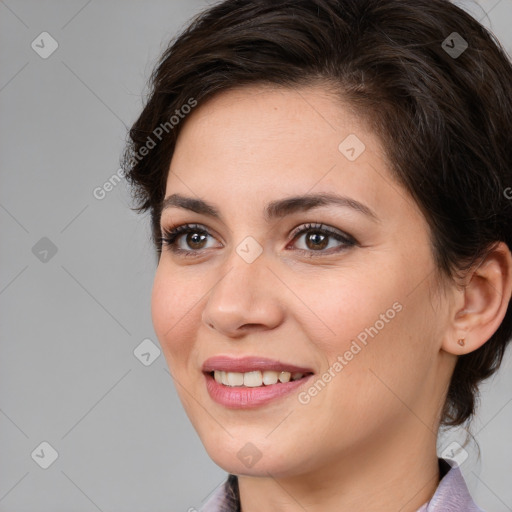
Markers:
<point>485,299</point>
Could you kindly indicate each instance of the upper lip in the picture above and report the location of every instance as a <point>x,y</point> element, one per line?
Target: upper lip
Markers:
<point>249,364</point>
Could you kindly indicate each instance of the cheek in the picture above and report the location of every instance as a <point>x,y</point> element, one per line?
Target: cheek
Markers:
<point>374,327</point>
<point>351,308</point>
<point>174,312</point>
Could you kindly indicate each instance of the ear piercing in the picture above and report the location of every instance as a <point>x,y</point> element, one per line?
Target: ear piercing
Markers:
<point>461,342</point>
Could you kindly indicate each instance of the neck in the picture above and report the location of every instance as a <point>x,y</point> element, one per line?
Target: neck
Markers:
<point>390,474</point>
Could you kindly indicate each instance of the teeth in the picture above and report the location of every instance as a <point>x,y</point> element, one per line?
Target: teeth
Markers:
<point>235,379</point>
<point>254,379</point>
<point>270,377</point>
<point>285,377</point>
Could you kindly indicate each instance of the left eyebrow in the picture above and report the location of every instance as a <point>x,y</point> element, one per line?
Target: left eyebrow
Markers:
<point>274,209</point>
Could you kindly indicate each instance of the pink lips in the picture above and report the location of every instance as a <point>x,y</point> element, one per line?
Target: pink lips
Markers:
<point>249,364</point>
<point>241,397</point>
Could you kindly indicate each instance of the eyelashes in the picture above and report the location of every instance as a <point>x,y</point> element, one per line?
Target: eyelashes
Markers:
<point>171,237</point>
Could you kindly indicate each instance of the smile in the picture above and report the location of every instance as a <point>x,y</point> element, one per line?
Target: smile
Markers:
<point>248,382</point>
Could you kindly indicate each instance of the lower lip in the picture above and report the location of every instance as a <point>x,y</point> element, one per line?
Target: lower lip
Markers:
<point>238,397</point>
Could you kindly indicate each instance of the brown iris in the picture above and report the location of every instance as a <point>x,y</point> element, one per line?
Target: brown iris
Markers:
<point>319,241</point>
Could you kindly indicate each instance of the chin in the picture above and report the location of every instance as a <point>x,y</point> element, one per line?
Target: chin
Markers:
<point>254,458</point>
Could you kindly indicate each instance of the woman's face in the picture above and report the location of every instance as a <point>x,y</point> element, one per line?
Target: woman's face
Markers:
<point>356,309</point>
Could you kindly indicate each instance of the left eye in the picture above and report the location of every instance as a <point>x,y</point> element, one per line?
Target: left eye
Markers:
<point>316,238</point>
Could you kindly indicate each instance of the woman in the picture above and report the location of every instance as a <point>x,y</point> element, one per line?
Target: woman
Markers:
<point>327,182</point>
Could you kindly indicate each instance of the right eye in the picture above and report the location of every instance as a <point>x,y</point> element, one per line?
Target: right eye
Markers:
<point>195,237</point>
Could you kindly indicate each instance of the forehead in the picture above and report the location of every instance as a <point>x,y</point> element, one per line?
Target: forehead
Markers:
<point>272,117</point>
<point>262,142</point>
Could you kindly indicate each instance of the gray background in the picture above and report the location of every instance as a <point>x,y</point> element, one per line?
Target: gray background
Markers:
<point>70,321</point>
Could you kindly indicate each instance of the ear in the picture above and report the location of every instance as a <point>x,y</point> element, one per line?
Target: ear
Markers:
<point>482,303</point>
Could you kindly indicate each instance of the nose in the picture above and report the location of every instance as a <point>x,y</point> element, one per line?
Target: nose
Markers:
<point>245,299</point>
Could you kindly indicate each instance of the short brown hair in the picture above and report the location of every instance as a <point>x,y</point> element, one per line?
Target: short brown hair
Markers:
<point>443,112</point>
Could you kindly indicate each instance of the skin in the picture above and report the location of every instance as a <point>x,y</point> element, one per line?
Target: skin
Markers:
<point>367,440</point>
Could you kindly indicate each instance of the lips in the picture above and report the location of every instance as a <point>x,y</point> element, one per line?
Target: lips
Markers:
<point>249,364</point>
<point>252,382</point>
